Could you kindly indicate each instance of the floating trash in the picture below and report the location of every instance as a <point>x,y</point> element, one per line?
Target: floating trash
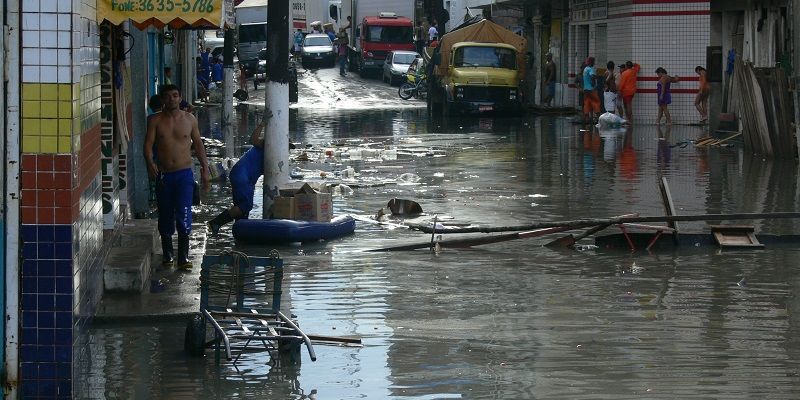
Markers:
<point>409,177</point>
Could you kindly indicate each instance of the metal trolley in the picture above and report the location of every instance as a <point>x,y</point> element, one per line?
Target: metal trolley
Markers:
<point>231,286</point>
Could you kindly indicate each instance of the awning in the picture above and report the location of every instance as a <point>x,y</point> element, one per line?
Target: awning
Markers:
<point>175,13</point>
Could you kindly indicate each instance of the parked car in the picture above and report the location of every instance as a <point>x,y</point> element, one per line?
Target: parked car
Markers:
<point>317,49</point>
<point>396,65</point>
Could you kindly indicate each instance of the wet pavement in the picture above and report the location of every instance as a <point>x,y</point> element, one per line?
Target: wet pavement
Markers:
<point>507,320</point>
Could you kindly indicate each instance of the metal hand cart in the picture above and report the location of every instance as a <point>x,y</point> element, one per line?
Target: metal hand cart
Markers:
<point>232,285</point>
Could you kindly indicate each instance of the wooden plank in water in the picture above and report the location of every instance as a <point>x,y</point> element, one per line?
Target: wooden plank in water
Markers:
<point>735,236</point>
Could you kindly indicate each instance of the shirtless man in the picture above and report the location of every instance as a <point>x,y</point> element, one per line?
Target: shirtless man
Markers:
<point>174,133</point>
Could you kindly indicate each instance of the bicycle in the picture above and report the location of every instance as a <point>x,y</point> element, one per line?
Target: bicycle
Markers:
<point>415,86</point>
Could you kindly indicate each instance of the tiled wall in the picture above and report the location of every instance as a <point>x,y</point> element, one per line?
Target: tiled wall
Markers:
<point>60,205</point>
<point>672,34</point>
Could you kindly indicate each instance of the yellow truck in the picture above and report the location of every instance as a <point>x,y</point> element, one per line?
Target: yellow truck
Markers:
<point>477,67</point>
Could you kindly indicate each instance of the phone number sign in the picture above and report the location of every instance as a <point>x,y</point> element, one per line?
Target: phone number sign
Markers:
<point>190,11</point>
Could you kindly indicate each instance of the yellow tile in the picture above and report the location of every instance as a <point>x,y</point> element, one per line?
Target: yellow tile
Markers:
<point>49,126</point>
<point>30,144</point>
<point>65,127</point>
<point>49,109</point>
<point>64,91</point>
<point>65,109</point>
<point>31,127</point>
<point>76,91</point>
<point>49,91</point>
<point>65,144</point>
<point>76,127</point>
<point>76,109</point>
<point>30,91</point>
<point>48,144</point>
<point>30,109</point>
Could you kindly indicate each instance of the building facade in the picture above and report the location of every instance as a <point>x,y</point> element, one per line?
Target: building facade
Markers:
<point>75,113</point>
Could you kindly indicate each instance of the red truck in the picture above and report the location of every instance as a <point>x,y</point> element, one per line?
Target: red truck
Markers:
<point>375,37</point>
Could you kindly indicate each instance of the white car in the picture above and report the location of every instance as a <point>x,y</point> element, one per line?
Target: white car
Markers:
<point>317,49</point>
<point>396,65</point>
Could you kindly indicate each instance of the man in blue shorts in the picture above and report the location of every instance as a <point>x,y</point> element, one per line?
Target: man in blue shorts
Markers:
<point>174,133</point>
<point>243,177</point>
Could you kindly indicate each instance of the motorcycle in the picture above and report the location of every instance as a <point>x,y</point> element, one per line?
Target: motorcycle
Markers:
<point>415,86</point>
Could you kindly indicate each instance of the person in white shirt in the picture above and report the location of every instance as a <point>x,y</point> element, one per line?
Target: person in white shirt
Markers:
<point>433,33</point>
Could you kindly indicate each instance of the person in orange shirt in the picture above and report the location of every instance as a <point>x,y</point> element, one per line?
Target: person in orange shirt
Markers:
<point>627,87</point>
<point>701,101</point>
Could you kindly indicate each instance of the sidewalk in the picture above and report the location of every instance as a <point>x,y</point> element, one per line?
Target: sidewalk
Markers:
<point>169,293</point>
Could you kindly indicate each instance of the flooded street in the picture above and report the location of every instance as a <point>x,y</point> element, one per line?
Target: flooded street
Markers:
<point>512,320</point>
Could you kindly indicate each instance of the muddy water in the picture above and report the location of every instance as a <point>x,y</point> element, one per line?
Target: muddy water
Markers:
<point>510,320</point>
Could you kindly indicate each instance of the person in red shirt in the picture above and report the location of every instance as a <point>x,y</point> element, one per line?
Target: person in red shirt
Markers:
<point>627,87</point>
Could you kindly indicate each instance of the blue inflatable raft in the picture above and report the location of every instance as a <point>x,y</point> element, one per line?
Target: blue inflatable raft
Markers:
<point>258,231</point>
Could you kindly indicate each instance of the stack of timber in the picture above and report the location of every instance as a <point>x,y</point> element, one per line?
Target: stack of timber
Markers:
<point>762,100</point>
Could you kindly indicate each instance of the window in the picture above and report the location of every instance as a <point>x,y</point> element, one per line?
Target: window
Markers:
<point>253,33</point>
<point>318,41</point>
<point>404,58</point>
<point>494,57</point>
<point>389,34</point>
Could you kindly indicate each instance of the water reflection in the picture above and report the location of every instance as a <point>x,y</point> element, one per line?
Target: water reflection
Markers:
<point>511,320</point>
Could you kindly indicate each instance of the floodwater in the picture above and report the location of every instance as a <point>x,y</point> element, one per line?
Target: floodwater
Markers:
<point>511,320</point>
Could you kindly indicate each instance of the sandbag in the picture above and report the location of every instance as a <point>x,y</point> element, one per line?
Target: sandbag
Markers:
<point>610,121</point>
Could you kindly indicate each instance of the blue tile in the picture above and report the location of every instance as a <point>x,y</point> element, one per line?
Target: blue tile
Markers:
<point>28,233</point>
<point>46,268</point>
<point>46,250</point>
<point>63,302</point>
<point>63,233</point>
<point>46,353</point>
<point>64,285</point>
<point>28,353</point>
<point>46,284</point>
<point>46,233</point>
<point>30,371</point>
<point>29,267</point>
<point>64,251</point>
<point>29,319</point>
<point>29,335</point>
<point>46,320</point>
<point>30,389</point>
<point>65,389</point>
<point>29,284</point>
<point>64,268</point>
<point>47,337</point>
<point>64,353</point>
<point>48,389</point>
<point>29,302</point>
<point>47,302</point>
<point>47,371</point>
<point>64,319</point>
<point>64,336</point>
<point>29,250</point>
<point>64,370</point>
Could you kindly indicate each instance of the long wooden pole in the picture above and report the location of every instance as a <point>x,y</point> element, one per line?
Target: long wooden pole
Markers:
<point>584,223</point>
<point>475,241</point>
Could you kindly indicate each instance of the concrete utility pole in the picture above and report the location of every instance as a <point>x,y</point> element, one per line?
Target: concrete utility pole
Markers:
<point>276,136</point>
<point>227,73</point>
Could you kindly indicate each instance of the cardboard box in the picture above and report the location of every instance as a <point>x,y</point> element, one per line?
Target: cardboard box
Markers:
<point>311,205</point>
<point>284,208</point>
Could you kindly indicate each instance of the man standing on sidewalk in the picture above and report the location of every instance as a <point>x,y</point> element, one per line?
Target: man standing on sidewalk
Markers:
<point>174,133</point>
